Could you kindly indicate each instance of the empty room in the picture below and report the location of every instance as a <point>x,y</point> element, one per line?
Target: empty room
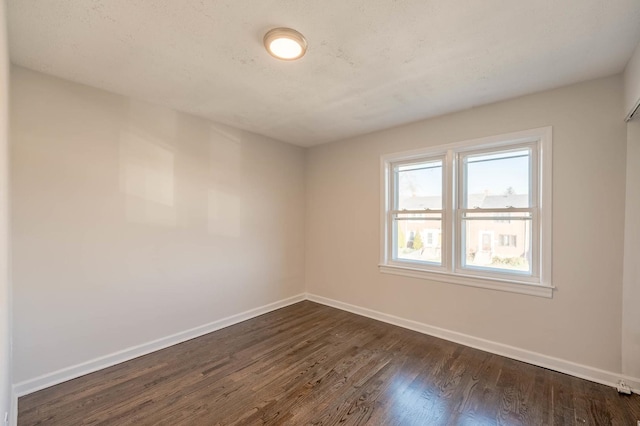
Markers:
<point>295,212</point>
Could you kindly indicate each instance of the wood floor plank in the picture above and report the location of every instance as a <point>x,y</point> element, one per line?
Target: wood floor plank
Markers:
<point>312,364</point>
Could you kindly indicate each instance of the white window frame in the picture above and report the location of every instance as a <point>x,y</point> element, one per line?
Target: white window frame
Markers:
<point>511,240</point>
<point>538,283</point>
<point>435,237</point>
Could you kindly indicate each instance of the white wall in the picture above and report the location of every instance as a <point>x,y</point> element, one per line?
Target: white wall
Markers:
<point>631,278</point>
<point>133,222</point>
<point>5,290</point>
<point>632,82</point>
<point>582,323</point>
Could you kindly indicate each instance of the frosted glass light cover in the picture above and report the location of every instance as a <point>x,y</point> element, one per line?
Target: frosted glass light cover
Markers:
<point>285,48</point>
<point>285,43</point>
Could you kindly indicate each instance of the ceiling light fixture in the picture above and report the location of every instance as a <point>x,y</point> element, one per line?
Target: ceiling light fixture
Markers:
<point>285,44</point>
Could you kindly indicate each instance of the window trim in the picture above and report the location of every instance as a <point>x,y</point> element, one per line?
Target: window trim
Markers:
<point>539,283</point>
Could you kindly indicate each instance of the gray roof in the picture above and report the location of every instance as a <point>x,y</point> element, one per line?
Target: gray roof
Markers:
<point>475,200</point>
<point>420,203</point>
<point>502,201</point>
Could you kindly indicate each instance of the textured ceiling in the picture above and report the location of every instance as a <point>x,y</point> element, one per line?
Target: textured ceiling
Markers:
<point>371,64</point>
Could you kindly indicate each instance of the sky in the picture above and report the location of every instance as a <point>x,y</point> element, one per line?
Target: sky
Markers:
<point>492,173</point>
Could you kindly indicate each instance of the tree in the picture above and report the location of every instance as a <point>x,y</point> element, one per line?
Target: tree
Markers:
<point>402,239</point>
<point>417,241</point>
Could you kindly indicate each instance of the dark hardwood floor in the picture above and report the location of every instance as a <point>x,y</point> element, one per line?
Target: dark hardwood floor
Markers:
<point>312,364</point>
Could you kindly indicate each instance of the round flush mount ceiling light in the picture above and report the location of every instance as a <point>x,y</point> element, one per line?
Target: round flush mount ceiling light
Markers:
<point>285,44</point>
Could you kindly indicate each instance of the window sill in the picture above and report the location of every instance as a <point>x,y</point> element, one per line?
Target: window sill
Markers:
<point>493,284</point>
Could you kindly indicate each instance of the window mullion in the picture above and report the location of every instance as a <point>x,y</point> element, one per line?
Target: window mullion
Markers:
<point>448,193</point>
<point>457,204</point>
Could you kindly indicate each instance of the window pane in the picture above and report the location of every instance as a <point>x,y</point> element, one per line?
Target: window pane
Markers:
<point>503,246</point>
<point>418,239</point>
<point>419,185</point>
<point>497,180</point>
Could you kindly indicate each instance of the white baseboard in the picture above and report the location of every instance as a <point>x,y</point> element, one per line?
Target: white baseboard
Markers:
<point>578,370</point>
<point>75,371</point>
<point>13,409</point>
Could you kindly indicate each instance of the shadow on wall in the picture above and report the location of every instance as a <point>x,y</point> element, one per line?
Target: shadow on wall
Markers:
<point>224,208</point>
<point>147,179</point>
<point>147,172</point>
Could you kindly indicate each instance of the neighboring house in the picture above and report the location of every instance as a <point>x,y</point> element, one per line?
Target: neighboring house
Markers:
<point>502,243</point>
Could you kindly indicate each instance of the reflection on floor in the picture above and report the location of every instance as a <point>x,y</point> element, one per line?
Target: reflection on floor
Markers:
<point>311,364</point>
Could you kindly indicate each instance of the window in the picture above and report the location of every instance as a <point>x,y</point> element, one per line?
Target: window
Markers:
<point>474,213</point>
<point>507,240</point>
